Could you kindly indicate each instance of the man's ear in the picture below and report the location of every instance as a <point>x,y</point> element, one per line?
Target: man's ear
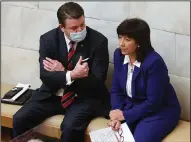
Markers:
<point>61,27</point>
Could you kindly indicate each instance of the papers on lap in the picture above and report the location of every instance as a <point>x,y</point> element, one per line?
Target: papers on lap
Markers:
<point>108,135</point>
<point>103,135</point>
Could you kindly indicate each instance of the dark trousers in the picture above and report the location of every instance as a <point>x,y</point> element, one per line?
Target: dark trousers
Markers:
<point>77,116</point>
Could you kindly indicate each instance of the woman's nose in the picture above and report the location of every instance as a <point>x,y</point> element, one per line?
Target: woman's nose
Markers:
<point>121,42</point>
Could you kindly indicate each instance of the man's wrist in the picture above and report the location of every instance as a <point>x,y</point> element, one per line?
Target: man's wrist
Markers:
<point>69,80</point>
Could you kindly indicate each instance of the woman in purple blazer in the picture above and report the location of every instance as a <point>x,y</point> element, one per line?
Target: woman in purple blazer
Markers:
<point>141,93</point>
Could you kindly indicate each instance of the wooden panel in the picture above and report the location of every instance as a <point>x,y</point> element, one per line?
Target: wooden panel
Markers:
<point>6,121</point>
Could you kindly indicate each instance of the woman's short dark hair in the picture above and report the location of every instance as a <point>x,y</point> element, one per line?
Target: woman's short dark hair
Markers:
<point>138,30</point>
<point>69,10</point>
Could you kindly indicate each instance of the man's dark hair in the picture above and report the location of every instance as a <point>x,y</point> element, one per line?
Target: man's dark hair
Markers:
<point>138,30</point>
<point>69,10</point>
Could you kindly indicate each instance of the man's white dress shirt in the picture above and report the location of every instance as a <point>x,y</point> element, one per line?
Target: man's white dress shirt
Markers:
<point>68,77</point>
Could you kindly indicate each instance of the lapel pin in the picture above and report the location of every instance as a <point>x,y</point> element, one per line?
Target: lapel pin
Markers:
<point>82,45</point>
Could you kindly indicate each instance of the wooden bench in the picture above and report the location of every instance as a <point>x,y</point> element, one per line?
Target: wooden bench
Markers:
<point>51,126</point>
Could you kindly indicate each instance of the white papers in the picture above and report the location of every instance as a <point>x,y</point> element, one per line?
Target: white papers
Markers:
<point>108,135</point>
<point>103,135</point>
<point>25,87</point>
<point>128,136</point>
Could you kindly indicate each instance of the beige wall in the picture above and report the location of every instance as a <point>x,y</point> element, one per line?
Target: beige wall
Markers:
<point>23,23</point>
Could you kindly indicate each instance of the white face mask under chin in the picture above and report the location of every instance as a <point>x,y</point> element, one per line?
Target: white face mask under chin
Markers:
<point>78,36</point>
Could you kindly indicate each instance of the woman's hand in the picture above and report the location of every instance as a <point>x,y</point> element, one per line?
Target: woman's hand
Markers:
<point>116,115</point>
<point>115,124</point>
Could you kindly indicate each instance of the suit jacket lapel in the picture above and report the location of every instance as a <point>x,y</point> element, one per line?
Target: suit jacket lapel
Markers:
<point>82,49</point>
<point>124,76</point>
<point>135,74</point>
<point>63,51</point>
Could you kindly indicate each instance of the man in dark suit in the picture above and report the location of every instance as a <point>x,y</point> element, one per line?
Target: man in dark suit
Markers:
<point>85,96</point>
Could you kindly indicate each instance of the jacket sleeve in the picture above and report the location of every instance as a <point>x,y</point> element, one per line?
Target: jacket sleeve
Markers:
<point>157,83</point>
<point>53,80</point>
<point>117,94</point>
<point>99,68</point>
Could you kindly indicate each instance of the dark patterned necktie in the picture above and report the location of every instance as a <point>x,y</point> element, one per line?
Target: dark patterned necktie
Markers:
<point>68,97</point>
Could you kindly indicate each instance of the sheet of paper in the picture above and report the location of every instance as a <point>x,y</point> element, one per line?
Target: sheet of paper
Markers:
<point>108,135</point>
<point>128,136</point>
<point>103,135</point>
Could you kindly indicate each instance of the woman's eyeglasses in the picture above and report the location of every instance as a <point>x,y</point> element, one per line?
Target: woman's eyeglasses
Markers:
<point>119,138</point>
<point>120,132</point>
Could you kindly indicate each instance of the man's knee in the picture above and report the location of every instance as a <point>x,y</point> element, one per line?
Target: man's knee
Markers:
<point>72,132</point>
<point>18,120</point>
<point>70,127</point>
<point>19,125</point>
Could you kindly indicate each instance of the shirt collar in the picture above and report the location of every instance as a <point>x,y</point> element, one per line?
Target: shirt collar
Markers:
<point>127,60</point>
<point>67,39</point>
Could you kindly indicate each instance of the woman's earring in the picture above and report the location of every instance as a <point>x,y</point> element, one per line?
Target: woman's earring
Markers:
<point>138,46</point>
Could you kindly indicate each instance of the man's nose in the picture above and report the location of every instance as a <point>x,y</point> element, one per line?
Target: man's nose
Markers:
<point>79,29</point>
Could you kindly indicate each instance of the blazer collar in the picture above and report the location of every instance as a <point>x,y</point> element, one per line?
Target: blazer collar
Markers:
<point>127,60</point>
<point>66,39</point>
<point>62,48</point>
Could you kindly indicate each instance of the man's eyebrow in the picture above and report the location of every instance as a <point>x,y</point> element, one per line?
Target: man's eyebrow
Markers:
<point>83,23</point>
<point>74,27</point>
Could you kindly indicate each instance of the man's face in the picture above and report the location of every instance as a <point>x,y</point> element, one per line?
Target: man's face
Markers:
<point>73,25</point>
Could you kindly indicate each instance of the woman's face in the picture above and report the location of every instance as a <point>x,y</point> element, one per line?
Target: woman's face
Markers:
<point>127,45</point>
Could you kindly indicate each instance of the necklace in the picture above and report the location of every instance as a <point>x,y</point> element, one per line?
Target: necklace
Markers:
<point>131,65</point>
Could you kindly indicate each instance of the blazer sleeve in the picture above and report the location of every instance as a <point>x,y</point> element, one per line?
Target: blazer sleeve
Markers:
<point>99,68</point>
<point>117,94</point>
<point>53,80</point>
<point>157,83</point>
